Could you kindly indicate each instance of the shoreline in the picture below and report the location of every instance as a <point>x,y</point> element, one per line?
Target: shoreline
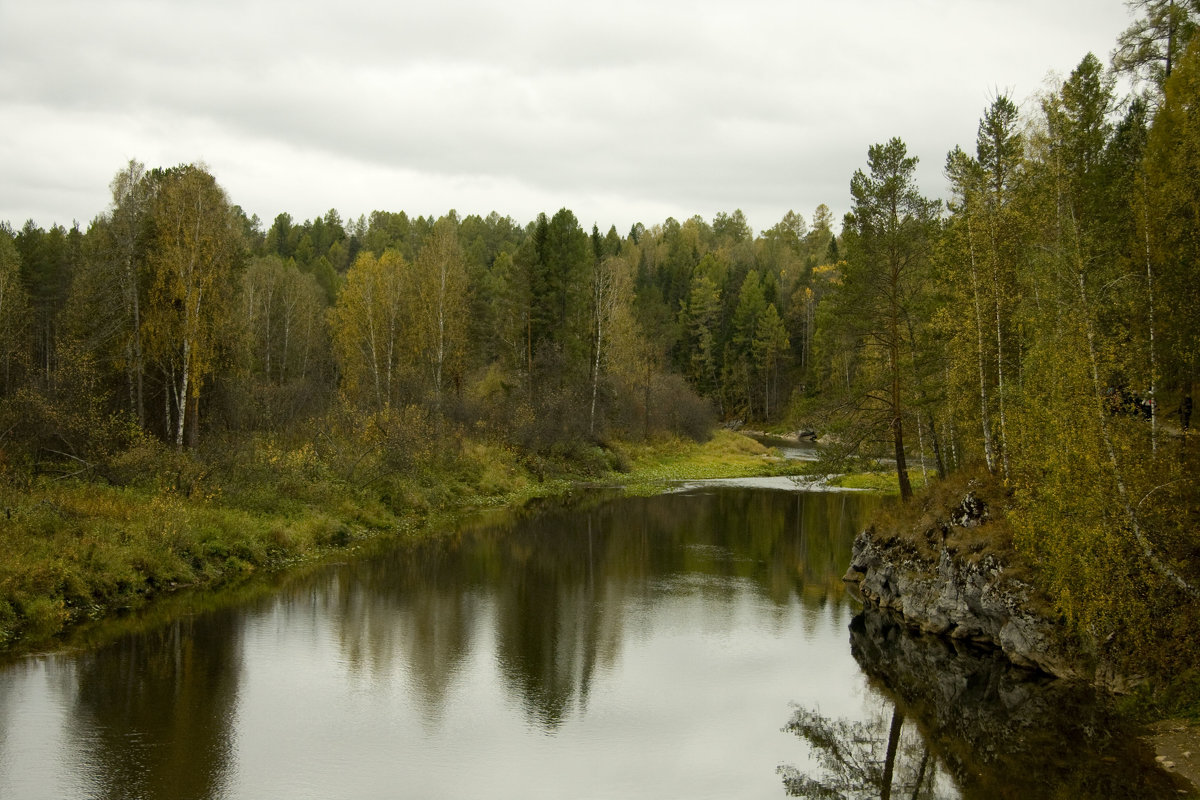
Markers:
<point>85,551</point>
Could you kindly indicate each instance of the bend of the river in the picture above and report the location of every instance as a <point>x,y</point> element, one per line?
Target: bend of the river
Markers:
<point>695,644</point>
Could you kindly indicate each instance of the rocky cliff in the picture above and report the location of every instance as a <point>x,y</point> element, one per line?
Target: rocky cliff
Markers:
<point>963,593</point>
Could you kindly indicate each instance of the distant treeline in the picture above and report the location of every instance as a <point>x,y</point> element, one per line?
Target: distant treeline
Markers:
<point>176,311</point>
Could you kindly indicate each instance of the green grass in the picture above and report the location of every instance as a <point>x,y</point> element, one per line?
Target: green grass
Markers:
<point>656,465</point>
<point>883,481</point>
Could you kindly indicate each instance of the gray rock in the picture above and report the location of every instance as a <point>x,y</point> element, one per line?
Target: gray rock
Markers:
<point>964,599</point>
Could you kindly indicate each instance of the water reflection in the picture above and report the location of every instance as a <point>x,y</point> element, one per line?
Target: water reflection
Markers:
<point>144,716</point>
<point>861,759</point>
<point>958,721</point>
<point>557,588</point>
<point>152,714</point>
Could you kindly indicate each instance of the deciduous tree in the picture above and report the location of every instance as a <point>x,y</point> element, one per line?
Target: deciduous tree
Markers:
<point>197,245</point>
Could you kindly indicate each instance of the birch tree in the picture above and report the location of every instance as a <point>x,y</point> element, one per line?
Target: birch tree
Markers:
<point>282,313</point>
<point>196,246</point>
<point>998,148</point>
<point>442,305</point>
<point>131,205</point>
<point>610,296</point>
<point>368,324</point>
<point>960,238</point>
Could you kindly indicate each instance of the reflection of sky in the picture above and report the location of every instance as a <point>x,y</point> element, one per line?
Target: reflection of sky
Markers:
<point>35,719</point>
<point>692,708</point>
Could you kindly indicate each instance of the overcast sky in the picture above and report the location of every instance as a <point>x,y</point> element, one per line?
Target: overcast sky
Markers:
<point>621,111</point>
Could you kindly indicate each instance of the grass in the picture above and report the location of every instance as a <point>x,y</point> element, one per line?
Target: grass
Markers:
<point>77,550</point>
<point>882,481</point>
<point>655,465</point>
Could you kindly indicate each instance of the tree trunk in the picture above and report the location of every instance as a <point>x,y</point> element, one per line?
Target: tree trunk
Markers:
<point>937,448</point>
<point>889,764</point>
<point>1000,373</point>
<point>897,403</point>
<point>1150,309</point>
<point>137,365</point>
<point>193,421</point>
<point>600,303</point>
<point>646,404</point>
<point>988,454</point>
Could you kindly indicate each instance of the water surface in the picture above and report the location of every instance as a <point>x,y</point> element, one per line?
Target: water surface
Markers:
<point>697,644</point>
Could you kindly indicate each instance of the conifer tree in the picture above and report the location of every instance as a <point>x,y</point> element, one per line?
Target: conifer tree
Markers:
<point>888,235</point>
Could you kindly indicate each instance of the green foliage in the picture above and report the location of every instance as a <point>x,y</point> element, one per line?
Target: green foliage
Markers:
<point>1156,41</point>
<point>888,240</point>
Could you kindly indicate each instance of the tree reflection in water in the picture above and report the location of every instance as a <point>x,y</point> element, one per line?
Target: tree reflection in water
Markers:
<point>554,589</point>
<point>966,723</point>
<point>859,760</point>
<point>153,714</point>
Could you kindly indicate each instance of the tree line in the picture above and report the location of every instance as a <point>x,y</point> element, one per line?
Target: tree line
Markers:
<point>1044,325</point>
<point>175,313</point>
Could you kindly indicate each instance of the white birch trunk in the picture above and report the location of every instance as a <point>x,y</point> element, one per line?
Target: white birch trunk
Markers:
<point>988,454</point>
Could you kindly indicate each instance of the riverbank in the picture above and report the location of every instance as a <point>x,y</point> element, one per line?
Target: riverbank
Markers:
<point>947,565</point>
<point>153,521</point>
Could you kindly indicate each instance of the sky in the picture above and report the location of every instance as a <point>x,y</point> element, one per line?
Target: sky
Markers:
<point>621,111</point>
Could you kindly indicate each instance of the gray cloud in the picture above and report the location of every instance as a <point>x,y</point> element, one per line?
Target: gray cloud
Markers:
<point>623,110</point>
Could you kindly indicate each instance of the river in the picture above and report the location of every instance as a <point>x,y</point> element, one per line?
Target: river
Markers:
<point>696,644</point>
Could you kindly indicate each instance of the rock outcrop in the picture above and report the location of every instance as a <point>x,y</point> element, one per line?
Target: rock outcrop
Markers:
<point>963,595</point>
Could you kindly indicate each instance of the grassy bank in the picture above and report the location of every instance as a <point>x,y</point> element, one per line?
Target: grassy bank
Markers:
<point>153,521</point>
<point>653,466</point>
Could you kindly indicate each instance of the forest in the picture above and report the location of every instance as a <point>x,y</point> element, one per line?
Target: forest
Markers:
<point>1041,325</point>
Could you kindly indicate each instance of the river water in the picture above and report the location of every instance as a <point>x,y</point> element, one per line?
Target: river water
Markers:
<point>696,644</point>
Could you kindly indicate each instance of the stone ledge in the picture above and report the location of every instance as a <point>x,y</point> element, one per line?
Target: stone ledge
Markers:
<point>963,599</point>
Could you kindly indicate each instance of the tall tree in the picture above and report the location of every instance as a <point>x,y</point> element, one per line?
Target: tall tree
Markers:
<point>961,271</point>
<point>888,235</point>
<point>559,314</point>
<point>1149,49</point>
<point>999,149</point>
<point>442,308</point>
<point>701,319</point>
<point>739,370</point>
<point>1172,158</point>
<point>770,346</point>
<point>368,325</point>
<point>610,303</point>
<point>131,200</point>
<point>48,262</point>
<point>14,314</point>
<point>282,313</point>
<point>197,246</point>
